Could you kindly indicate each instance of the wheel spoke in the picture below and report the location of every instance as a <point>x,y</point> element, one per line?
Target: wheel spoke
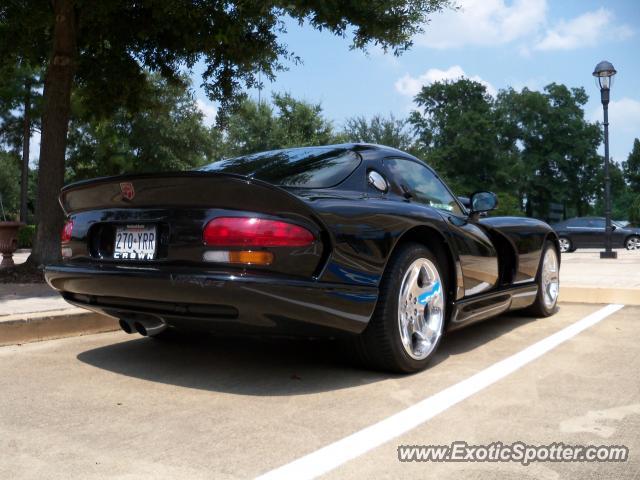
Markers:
<point>550,278</point>
<point>421,308</point>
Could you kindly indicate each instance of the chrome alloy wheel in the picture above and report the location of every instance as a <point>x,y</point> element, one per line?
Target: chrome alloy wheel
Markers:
<point>565,245</point>
<point>550,278</point>
<point>633,243</point>
<point>421,308</point>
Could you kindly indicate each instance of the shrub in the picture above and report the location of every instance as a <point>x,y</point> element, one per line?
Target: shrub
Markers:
<point>25,236</point>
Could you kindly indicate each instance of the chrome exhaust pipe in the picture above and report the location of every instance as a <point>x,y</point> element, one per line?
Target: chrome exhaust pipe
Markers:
<point>150,327</point>
<point>125,326</point>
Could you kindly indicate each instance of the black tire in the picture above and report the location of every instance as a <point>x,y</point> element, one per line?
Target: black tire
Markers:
<point>629,241</point>
<point>539,307</point>
<point>380,346</point>
<point>569,243</point>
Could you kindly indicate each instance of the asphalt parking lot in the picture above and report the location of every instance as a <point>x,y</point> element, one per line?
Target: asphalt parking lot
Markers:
<point>118,406</point>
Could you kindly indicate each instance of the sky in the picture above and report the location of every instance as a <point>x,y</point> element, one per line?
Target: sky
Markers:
<point>500,43</point>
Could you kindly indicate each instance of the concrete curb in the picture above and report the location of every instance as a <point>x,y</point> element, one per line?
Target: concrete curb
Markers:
<point>625,296</point>
<point>35,327</point>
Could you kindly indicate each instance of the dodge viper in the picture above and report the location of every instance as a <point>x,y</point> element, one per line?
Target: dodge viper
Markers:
<point>356,241</point>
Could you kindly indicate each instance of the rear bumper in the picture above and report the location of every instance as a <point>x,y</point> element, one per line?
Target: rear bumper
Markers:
<point>217,301</point>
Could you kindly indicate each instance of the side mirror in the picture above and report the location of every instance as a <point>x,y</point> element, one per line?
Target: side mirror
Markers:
<point>483,202</point>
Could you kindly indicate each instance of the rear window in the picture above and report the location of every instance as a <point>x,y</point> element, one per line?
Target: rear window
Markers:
<point>316,167</point>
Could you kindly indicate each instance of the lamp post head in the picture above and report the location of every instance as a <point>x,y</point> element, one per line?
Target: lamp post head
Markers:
<point>604,73</point>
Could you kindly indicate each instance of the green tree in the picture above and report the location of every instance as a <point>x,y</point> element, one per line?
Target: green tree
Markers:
<point>549,148</point>
<point>105,47</point>
<point>20,103</point>
<point>286,122</point>
<point>381,130</point>
<point>300,123</point>
<point>634,210</point>
<point>9,187</point>
<point>621,196</point>
<point>165,133</point>
<point>631,168</point>
<point>455,127</point>
<point>250,128</point>
<point>574,142</point>
<point>508,205</point>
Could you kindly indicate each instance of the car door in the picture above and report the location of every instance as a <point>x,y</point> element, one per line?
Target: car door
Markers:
<point>478,257</point>
<point>595,234</point>
<point>580,232</point>
<point>619,235</point>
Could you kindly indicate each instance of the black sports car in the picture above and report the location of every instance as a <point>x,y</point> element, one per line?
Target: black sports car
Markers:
<point>358,241</point>
<point>589,232</point>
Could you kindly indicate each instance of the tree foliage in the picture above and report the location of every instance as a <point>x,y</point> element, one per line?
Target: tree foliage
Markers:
<point>105,48</point>
<point>630,201</point>
<point>555,146</point>
<point>285,122</point>
<point>535,147</point>
<point>455,128</point>
<point>631,167</point>
<point>17,83</point>
<point>9,187</point>
<point>381,130</point>
<point>165,133</point>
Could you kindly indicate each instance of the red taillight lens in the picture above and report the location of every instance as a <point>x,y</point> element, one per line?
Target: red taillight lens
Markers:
<point>255,232</point>
<point>67,230</point>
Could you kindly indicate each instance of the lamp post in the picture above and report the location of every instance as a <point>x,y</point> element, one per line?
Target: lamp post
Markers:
<point>604,73</point>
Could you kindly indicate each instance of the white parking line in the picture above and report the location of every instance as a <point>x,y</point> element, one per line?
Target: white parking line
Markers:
<point>332,456</point>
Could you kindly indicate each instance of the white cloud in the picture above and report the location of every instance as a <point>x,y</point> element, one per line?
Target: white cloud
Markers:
<point>500,22</point>
<point>410,86</point>
<point>623,113</point>
<point>585,30</point>
<point>209,111</point>
<point>484,22</point>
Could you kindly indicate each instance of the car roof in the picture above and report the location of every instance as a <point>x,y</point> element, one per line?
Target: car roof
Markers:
<point>356,146</point>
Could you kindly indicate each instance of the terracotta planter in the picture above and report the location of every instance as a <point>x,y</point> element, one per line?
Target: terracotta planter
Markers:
<point>8,242</point>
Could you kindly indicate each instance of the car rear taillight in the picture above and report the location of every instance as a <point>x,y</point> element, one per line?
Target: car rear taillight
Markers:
<point>65,238</point>
<point>67,230</point>
<point>255,232</point>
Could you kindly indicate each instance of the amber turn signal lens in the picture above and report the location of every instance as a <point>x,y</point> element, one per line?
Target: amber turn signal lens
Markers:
<point>246,257</point>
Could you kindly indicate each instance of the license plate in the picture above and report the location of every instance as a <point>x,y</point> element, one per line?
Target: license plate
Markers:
<point>135,242</point>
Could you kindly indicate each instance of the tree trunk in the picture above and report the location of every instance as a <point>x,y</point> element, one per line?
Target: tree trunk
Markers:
<point>26,138</point>
<point>55,124</point>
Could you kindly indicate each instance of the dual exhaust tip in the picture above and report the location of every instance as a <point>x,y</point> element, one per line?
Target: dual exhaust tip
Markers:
<point>147,327</point>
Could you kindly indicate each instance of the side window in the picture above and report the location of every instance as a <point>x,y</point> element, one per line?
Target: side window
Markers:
<point>422,183</point>
<point>597,223</point>
<point>579,223</point>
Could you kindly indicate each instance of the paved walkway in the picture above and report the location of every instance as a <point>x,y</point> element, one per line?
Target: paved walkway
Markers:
<point>30,298</point>
<point>584,268</point>
<point>19,299</point>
